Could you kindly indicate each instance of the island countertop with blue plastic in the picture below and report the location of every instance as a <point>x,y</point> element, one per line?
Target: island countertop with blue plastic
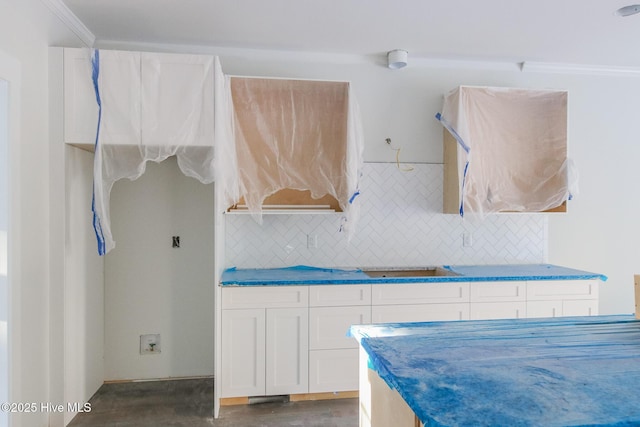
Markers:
<point>529,372</point>
<point>306,275</point>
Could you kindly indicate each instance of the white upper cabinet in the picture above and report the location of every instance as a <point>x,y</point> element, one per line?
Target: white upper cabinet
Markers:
<point>154,99</point>
<point>177,99</point>
<point>505,150</point>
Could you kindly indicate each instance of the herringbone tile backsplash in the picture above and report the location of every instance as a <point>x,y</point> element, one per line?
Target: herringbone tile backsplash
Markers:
<point>401,224</point>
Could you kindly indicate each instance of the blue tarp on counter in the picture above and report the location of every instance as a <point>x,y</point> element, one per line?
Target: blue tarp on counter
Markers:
<point>306,275</point>
<point>531,372</point>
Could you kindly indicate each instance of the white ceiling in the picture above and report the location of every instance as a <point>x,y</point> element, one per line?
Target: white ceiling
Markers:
<point>556,31</point>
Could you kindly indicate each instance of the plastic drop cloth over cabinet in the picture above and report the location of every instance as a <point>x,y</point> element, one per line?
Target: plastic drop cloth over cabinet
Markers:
<point>512,148</point>
<point>151,106</point>
<point>300,135</point>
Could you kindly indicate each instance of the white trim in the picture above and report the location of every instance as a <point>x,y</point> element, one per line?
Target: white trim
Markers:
<point>10,70</point>
<point>597,70</point>
<point>72,22</point>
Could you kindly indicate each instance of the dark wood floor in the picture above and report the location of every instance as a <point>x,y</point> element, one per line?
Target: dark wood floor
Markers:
<point>190,403</point>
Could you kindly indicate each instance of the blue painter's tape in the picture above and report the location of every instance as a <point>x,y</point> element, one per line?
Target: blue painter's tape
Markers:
<point>95,74</point>
<point>353,197</point>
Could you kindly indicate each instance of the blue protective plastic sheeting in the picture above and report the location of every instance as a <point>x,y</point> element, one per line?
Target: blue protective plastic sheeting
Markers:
<point>534,372</point>
<point>306,275</point>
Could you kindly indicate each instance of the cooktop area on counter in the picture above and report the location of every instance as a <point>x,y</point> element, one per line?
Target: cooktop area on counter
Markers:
<point>308,275</point>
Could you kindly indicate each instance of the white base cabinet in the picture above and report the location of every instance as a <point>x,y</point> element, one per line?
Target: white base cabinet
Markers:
<point>265,341</point>
<point>333,357</point>
<point>292,339</point>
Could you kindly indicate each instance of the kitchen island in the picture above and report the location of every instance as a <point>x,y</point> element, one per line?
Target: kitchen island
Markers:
<point>531,372</point>
<point>283,330</point>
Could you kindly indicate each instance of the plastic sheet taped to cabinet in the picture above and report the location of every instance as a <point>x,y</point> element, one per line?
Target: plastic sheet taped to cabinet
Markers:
<point>300,135</point>
<point>152,106</point>
<point>512,148</point>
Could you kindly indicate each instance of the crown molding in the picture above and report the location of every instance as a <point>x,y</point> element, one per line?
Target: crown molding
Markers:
<point>593,70</point>
<point>71,21</point>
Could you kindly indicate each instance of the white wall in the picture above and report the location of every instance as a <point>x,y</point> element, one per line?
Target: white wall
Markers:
<point>27,28</point>
<point>151,287</point>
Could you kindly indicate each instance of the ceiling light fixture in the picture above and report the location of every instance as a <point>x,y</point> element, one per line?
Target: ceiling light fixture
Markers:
<point>397,59</point>
<point>628,10</point>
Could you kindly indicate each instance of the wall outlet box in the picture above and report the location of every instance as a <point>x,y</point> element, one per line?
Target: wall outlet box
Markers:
<point>150,344</point>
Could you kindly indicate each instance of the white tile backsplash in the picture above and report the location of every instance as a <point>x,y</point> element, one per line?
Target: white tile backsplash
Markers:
<point>401,224</point>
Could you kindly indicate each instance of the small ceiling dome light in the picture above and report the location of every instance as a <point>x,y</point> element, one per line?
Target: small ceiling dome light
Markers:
<point>628,10</point>
<point>397,59</point>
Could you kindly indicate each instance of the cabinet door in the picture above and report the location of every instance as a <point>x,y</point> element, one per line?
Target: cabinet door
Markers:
<point>419,313</point>
<point>498,310</point>
<point>328,326</point>
<point>119,82</point>
<point>287,356</point>
<point>177,99</point>
<point>243,353</point>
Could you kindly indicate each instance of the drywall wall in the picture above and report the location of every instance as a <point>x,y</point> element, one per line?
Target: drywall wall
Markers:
<point>153,288</point>
<point>27,28</point>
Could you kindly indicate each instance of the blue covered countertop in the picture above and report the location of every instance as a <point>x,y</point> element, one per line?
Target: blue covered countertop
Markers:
<point>305,275</point>
<point>530,372</point>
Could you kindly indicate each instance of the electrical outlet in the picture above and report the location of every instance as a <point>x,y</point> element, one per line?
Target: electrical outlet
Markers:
<point>312,241</point>
<point>150,344</point>
<point>467,239</point>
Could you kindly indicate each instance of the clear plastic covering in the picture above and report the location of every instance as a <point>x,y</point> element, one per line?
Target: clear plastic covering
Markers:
<point>300,135</point>
<point>512,148</point>
<point>152,106</point>
<point>270,134</point>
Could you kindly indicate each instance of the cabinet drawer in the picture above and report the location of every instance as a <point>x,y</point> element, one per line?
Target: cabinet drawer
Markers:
<point>265,297</point>
<point>580,307</point>
<point>498,310</point>
<point>328,326</point>
<point>419,313</point>
<point>562,289</point>
<point>339,295</point>
<point>417,293</point>
<point>544,308</point>
<point>333,370</point>
<point>498,291</point>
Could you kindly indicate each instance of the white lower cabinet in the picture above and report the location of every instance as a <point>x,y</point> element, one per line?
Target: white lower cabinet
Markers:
<point>498,310</point>
<point>498,300</point>
<point>554,298</point>
<point>243,352</point>
<point>419,302</point>
<point>333,356</point>
<point>333,370</point>
<point>265,341</point>
<point>419,312</point>
<point>292,339</point>
<point>287,347</point>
